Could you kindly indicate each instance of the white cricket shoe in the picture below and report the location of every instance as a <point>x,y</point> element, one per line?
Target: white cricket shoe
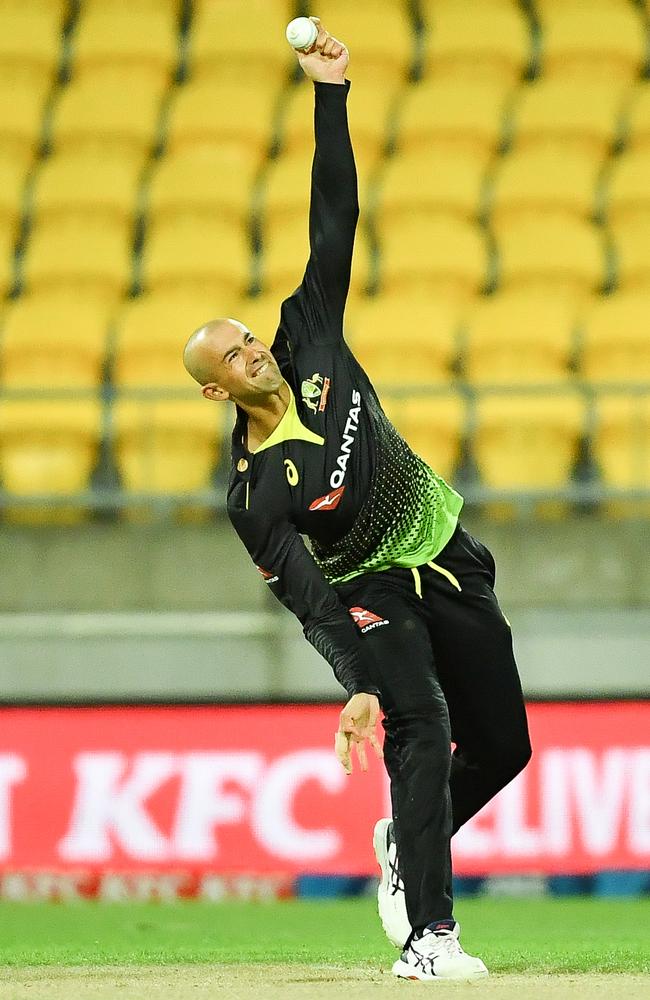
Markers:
<point>438,955</point>
<point>391,901</point>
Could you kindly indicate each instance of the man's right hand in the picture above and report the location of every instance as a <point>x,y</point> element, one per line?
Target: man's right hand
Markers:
<point>327,59</point>
<point>357,724</point>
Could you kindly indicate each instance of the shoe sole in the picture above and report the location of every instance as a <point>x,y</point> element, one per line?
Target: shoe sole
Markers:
<point>405,971</point>
<point>381,854</point>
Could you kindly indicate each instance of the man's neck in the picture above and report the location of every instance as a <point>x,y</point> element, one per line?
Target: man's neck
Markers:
<point>263,419</point>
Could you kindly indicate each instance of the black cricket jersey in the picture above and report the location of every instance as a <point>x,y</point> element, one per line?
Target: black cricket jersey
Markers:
<point>334,469</point>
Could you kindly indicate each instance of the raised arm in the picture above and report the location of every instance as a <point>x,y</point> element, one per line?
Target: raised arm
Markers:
<point>334,205</point>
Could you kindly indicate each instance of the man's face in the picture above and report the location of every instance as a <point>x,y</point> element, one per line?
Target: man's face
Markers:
<point>243,366</point>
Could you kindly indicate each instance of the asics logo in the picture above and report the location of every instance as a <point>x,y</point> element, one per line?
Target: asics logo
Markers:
<point>329,502</point>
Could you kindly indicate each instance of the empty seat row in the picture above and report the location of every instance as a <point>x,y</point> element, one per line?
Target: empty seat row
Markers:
<point>66,340</point>
<point>519,443</point>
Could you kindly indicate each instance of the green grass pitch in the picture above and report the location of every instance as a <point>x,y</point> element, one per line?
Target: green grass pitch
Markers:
<point>533,936</point>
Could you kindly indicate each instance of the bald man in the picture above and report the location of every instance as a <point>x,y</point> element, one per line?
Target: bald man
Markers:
<point>394,593</point>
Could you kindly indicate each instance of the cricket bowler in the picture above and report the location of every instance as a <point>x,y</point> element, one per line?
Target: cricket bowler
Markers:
<point>393,592</point>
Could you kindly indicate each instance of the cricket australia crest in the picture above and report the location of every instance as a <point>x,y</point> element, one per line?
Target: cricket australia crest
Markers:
<point>314,392</point>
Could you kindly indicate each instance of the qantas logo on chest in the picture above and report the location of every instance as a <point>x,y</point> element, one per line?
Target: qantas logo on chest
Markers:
<point>329,502</point>
<point>349,435</point>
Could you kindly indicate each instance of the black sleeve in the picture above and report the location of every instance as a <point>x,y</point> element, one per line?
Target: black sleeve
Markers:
<point>315,310</point>
<point>290,571</point>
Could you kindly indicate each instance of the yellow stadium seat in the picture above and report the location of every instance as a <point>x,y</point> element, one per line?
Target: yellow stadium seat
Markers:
<point>439,253</point>
<point>465,113</point>
<point>406,341</point>
<point>482,38</point>
<point>245,112</point>
<point>600,37</point>
<point>553,251</point>
<point>206,252</point>
<point>527,442</point>
<point>12,183</point>
<point>432,180</point>
<point>31,34</point>
<point>369,114</point>
<point>260,314</point>
<point>616,344</point>
<point>151,333</point>
<point>518,337</point>
<point>7,248</point>
<point>89,254</point>
<point>637,118</point>
<point>87,183</point>
<point>114,34</point>
<point>432,425</point>
<point>575,111</point>
<point>621,446</point>
<point>207,177</point>
<point>110,107</point>
<point>167,446</point>
<point>287,186</point>
<point>546,177</point>
<point>377,32</point>
<point>54,340</point>
<point>221,43</point>
<point>22,102</point>
<point>629,191</point>
<point>48,447</point>
<point>286,251</point>
<point>631,238</point>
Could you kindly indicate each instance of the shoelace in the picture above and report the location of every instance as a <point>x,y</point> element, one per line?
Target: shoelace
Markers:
<point>431,946</point>
<point>396,880</point>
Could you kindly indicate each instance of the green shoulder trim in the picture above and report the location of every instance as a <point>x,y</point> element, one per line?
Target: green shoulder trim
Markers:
<point>290,428</point>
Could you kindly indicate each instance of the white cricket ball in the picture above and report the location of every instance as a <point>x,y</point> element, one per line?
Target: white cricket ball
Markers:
<point>301,33</point>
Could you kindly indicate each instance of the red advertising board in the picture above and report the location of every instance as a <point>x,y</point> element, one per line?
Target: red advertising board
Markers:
<point>258,790</point>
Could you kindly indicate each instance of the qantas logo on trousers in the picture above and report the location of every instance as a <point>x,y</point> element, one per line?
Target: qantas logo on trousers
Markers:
<point>329,502</point>
<point>367,620</point>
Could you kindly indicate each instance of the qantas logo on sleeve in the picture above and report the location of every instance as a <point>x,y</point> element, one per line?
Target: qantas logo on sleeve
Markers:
<point>329,502</point>
<point>367,620</point>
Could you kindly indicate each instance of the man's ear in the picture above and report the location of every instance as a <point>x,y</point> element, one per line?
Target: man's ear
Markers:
<point>212,391</point>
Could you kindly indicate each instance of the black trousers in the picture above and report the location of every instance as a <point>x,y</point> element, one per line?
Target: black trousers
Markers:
<point>446,672</point>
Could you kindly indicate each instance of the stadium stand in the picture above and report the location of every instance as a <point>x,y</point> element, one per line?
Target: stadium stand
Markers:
<point>194,249</point>
<point>219,47</point>
<point>84,253</point>
<point>433,427</point>
<point>439,252</point>
<point>600,38</point>
<point>125,35</point>
<point>110,107</point>
<point>486,39</point>
<point>54,340</point>
<point>86,182</point>
<point>48,447</point>
<point>546,178</point>
<point>465,113</point>
<point>555,251</point>
<point>615,341</point>
<point>519,337</point>
<point>150,335</point>
<point>204,177</point>
<point>621,447</point>
<point>502,148</point>
<point>406,347</point>
<point>166,446</point>
<point>528,443</point>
